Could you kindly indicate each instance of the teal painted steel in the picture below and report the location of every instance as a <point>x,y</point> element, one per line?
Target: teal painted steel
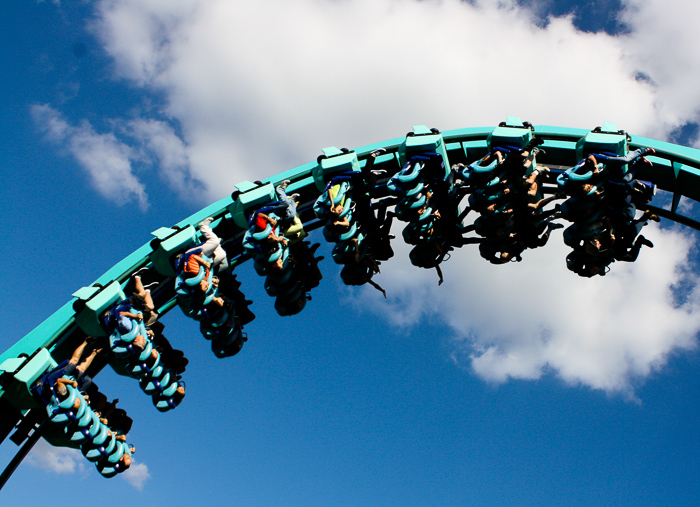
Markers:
<point>676,170</point>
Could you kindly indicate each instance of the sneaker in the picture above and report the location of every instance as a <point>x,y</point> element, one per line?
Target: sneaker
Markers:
<point>136,274</point>
<point>206,221</point>
<point>644,241</point>
<point>534,142</point>
<point>647,191</point>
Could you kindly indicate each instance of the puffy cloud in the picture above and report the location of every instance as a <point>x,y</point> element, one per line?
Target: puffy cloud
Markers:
<point>258,87</point>
<point>111,159</point>
<point>158,141</point>
<point>661,43</point>
<point>60,460</point>
<point>138,34</point>
<point>63,460</point>
<point>106,160</point>
<point>137,475</point>
<point>524,320</point>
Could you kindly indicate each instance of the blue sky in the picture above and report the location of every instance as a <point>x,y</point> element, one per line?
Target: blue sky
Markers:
<point>508,385</point>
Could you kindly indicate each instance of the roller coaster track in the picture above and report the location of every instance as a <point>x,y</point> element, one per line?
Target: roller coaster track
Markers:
<point>676,170</point>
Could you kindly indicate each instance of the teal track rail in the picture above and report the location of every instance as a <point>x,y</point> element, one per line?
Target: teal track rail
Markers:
<point>676,169</point>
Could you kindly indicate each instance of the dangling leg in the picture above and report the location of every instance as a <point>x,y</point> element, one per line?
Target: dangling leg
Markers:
<point>143,293</point>
<point>82,367</point>
<point>78,353</point>
<point>211,240</point>
<point>378,287</point>
<point>291,210</point>
<point>212,246</point>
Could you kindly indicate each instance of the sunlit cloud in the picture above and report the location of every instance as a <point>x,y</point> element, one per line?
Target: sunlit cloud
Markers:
<point>254,94</point>
<point>158,143</point>
<point>112,159</point>
<point>105,159</point>
<point>251,105</point>
<point>60,460</point>
<point>137,475</point>
<point>524,320</point>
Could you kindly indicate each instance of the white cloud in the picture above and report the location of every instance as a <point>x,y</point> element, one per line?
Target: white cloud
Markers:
<point>137,475</point>
<point>159,141</point>
<point>259,87</point>
<point>522,321</point>
<point>60,460</point>
<point>138,34</point>
<point>111,162</point>
<point>64,460</point>
<point>662,43</point>
<point>106,160</point>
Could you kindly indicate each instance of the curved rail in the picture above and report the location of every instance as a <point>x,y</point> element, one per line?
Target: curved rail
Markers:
<point>676,170</point>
